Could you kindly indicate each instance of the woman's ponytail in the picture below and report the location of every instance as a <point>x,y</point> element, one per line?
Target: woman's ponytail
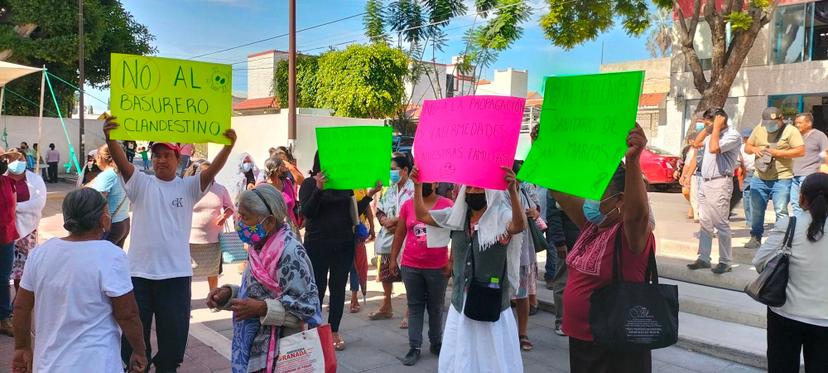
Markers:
<point>815,194</point>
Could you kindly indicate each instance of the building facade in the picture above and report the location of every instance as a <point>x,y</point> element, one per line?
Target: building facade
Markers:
<point>787,68</point>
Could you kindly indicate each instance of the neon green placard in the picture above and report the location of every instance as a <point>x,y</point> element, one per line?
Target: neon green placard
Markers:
<point>584,124</point>
<point>354,157</point>
<point>169,100</point>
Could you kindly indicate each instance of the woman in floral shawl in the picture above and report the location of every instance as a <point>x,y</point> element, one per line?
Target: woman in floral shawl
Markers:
<point>277,293</point>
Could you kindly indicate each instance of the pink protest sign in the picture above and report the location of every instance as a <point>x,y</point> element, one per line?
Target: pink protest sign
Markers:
<point>466,140</point>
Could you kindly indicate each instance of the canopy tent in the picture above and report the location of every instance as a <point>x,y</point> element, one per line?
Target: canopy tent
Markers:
<point>10,71</point>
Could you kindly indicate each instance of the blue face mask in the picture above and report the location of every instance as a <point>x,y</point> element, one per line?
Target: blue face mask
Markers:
<point>395,176</point>
<point>699,126</point>
<point>772,127</point>
<point>17,167</point>
<point>592,211</point>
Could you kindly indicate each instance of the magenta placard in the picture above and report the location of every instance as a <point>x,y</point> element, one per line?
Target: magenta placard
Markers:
<point>466,140</point>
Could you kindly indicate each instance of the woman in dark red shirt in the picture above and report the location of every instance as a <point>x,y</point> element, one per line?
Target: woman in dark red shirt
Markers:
<point>8,233</point>
<point>623,209</point>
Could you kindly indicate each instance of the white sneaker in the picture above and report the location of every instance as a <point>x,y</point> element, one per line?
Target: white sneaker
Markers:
<point>559,331</point>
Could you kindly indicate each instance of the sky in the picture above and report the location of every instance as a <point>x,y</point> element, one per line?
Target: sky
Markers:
<point>189,28</point>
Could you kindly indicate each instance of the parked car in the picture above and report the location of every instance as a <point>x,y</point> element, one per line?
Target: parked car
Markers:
<point>402,144</point>
<point>659,168</point>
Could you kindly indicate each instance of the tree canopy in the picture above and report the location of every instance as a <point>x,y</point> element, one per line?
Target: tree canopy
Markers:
<point>45,32</point>
<point>306,82</point>
<point>364,81</point>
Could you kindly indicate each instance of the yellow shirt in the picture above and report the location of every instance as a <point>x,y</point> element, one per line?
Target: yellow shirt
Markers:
<point>780,168</point>
<point>359,194</point>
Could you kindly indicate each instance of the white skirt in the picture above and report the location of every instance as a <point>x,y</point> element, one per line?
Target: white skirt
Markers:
<point>478,346</point>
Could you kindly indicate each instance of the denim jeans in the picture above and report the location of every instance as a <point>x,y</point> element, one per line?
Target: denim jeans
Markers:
<point>168,301</point>
<point>762,191</point>
<point>6,259</point>
<point>425,289</point>
<point>551,263</point>
<point>746,199</point>
<point>796,185</point>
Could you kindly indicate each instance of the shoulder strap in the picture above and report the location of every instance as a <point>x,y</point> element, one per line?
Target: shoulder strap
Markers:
<point>117,209</point>
<point>789,233</point>
<point>650,276</point>
<point>617,276</point>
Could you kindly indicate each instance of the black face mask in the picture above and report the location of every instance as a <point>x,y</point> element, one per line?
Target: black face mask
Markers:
<point>428,189</point>
<point>3,166</point>
<point>476,201</point>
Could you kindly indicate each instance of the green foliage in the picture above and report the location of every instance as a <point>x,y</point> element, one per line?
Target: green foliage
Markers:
<point>504,28</point>
<point>739,21</point>
<point>374,23</point>
<point>108,28</point>
<point>364,81</point>
<point>306,81</point>
<point>760,4</point>
<point>569,24</point>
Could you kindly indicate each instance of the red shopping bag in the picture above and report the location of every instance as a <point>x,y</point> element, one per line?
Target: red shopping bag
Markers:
<point>310,351</point>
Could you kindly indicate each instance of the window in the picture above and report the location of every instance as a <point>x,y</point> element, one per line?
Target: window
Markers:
<point>800,33</point>
<point>791,105</point>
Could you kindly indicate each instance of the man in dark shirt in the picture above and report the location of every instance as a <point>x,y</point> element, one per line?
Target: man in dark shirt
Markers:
<point>561,235</point>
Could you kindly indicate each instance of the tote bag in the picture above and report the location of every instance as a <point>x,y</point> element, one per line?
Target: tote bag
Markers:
<point>771,286</point>
<point>310,351</point>
<point>634,316</point>
<point>232,247</point>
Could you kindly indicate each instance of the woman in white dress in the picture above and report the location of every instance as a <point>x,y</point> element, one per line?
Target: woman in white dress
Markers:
<point>486,233</point>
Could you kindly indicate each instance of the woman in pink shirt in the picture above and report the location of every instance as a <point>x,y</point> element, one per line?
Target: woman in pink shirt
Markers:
<point>425,272</point>
<point>209,217</point>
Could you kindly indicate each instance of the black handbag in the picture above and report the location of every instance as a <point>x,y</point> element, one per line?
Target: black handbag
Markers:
<point>634,316</point>
<point>482,299</point>
<point>771,286</point>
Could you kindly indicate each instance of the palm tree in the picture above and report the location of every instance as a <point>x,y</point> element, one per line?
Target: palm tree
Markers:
<point>660,37</point>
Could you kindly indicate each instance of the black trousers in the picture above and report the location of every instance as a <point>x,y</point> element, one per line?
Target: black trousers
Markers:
<point>787,338</point>
<point>53,172</point>
<point>331,264</point>
<point>589,357</point>
<point>168,301</point>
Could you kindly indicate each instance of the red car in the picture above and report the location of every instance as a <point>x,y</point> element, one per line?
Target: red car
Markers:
<point>659,167</point>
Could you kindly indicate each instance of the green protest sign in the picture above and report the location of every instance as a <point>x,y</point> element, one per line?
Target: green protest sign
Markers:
<point>169,100</point>
<point>584,124</point>
<point>354,157</point>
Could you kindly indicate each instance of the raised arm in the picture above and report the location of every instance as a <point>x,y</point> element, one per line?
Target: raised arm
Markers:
<point>636,206</point>
<point>124,166</point>
<point>208,175</point>
<point>420,209</point>
<point>518,223</point>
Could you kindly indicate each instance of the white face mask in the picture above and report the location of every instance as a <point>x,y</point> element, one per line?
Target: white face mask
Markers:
<point>247,166</point>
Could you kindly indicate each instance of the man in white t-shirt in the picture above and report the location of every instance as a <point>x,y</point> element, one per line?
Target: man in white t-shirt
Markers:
<point>159,249</point>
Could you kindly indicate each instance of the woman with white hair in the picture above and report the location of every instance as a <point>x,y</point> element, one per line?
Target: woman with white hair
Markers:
<point>249,174</point>
<point>486,236</point>
<point>277,292</point>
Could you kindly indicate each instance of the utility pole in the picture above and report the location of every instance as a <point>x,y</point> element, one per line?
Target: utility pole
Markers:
<point>81,78</point>
<point>292,74</point>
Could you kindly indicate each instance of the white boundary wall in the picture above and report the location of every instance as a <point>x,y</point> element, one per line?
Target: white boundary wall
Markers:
<point>25,129</point>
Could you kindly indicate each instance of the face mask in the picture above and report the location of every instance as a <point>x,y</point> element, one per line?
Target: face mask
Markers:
<point>427,190</point>
<point>395,176</point>
<point>476,201</point>
<point>251,235</point>
<point>284,175</point>
<point>699,126</point>
<point>592,211</point>
<point>772,127</point>
<point>247,166</point>
<point>17,167</point>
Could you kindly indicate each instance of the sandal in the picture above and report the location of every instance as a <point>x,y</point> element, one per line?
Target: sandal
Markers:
<point>404,323</point>
<point>533,310</point>
<point>379,315</point>
<point>339,344</point>
<point>525,345</point>
<point>355,307</point>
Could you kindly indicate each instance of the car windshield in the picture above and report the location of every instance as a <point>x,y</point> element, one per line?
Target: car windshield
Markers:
<point>658,151</point>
